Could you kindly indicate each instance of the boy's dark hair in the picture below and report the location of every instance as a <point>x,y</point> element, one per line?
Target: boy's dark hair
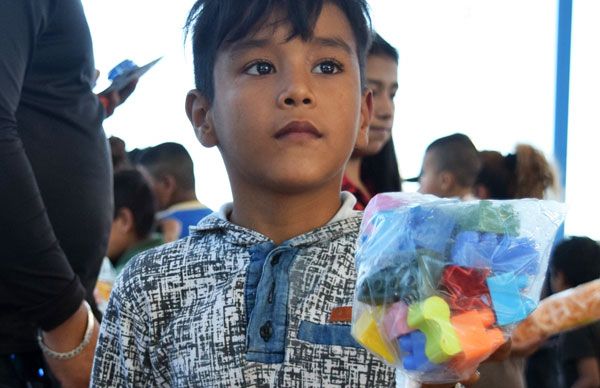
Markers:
<point>170,159</point>
<point>132,191</point>
<point>380,46</point>
<point>578,258</point>
<point>218,23</point>
<point>457,154</point>
<point>380,171</point>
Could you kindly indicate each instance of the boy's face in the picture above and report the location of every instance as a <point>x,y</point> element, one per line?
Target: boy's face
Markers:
<point>382,79</point>
<point>431,178</point>
<point>286,115</point>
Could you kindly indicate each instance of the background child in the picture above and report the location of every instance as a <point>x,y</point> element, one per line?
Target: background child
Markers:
<point>133,222</point>
<point>523,174</point>
<point>450,167</point>
<point>374,170</point>
<point>576,261</point>
<point>171,171</point>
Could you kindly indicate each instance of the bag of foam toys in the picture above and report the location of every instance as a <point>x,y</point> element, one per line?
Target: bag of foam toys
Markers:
<point>441,283</point>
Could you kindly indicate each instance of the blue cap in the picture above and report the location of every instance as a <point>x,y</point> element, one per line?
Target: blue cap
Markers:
<point>121,68</point>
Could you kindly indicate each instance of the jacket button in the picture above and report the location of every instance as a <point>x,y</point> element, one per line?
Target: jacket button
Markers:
<point>266,331</point>
<point>275,259</point>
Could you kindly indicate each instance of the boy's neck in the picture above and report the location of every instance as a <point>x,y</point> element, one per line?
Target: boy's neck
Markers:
<point>352,172</point>
<point>282,216</point>
<point>461,192</point>
<point>182,196</point>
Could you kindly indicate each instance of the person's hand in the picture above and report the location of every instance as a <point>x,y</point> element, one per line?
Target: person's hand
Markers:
<point>500,354</point>
<point>526,350</point>
<point>112,100</point>
<point>74,372</point>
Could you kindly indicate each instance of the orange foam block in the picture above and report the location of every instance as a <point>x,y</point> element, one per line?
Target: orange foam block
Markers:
<point>477,339</point>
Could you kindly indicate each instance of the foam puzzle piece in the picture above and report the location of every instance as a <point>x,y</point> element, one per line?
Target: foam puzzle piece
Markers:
<point>385,237</point>
<point>501,253</point>
<point>466,287</point>
<point>516,254</point>
<point>510,305</point>
<point>432,317</point>
<point>413,348</point>
<point>483,216</point>
<point>474,249</point>
<point>477,338</point>
<point>389,285</point>
<point>406,279</point>
<point>430,268</point>
<point>430,228</point>
<point>366,332</point>
<point>383,202</point>
<point>394,320</point>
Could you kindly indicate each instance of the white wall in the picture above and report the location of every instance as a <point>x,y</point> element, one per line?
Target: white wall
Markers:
<point>482,67</point>
<point>583,180</point>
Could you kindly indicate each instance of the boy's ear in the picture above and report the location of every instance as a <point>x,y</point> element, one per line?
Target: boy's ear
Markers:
<point>366,113</point>
<point>447,181</point>
<point>168,184</point>
<point>198,111</point>
<point>124,220</point>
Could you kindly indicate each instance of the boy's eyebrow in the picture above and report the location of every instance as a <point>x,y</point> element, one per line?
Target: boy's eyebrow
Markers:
<point>379,84</point>
<point>248,44</point>
<point>334,42</point>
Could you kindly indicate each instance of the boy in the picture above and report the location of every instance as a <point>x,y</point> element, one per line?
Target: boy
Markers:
<point>171,171</point>
<point>576,261</point>
<point>133,221</point>
<point>256,295</point>
<point>450,167</point>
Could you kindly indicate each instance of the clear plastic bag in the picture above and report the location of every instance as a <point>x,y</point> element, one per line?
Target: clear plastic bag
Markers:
<point>442,283</point>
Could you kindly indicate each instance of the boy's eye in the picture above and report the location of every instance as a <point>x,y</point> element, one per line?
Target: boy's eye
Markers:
<point>328,67</point>
<point>260,68</point>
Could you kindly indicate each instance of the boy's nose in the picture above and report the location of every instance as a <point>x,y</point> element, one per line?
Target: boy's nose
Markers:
<point>296,92</point>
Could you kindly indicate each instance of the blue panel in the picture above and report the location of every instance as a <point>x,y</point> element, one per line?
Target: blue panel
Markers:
<point>563,64</point>
<point>267,322</point>
<point>561,110</point>
<point>327,334</point>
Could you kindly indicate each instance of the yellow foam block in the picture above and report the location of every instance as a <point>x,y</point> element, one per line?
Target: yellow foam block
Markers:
<point>432,317</point>
<point>368,335</point>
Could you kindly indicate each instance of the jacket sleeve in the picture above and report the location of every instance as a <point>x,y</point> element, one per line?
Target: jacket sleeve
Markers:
<point>36,281</point>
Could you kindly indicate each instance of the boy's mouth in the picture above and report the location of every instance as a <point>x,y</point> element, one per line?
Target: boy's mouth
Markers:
<point>298,128</point>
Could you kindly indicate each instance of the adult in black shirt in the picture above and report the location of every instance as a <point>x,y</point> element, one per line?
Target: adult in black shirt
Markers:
<point>577,348</point>
<point>55,175</point>
<point>575,261</point>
